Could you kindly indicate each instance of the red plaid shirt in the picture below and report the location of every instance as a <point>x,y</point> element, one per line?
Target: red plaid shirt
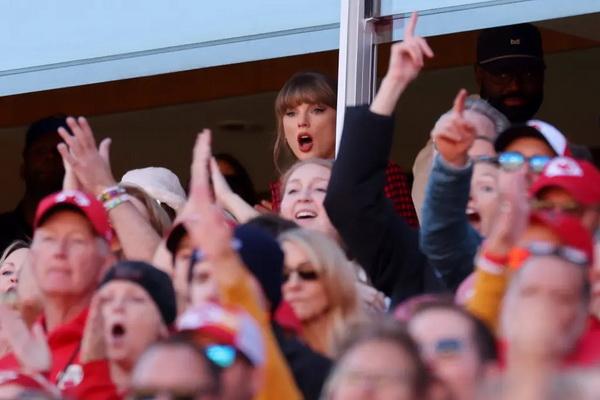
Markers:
<point>396,189</point>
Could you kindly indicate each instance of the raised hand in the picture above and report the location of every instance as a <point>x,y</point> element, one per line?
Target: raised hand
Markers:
<point>89,164</point>
<point>29,347</point>
<point>407,57</point>
<point>93,346</point>
<point>406,61</point>
<point>453,135</point>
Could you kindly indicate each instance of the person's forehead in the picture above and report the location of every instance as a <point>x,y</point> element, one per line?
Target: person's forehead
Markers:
<point>170,366</point>
<point>436,323</point>
<point>551,272</point>
<point>309,172</point>
<point>530,146</point>
<point>377,353</point>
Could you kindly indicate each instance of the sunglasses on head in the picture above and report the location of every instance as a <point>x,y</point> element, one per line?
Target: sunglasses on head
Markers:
<point>567,253</point>
<point>302,274</point>
<point>512,160</point>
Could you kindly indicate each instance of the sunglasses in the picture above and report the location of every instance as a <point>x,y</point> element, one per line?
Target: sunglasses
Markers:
<point>221,355</point>
<point>446,347</point>
<point>511,161</point>
<point>567,253</point>
<point>302,274</point>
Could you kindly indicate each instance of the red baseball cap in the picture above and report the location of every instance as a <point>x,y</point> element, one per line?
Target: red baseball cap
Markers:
<point>87,204</point>
<point>579,178</point>
<point>568,229</point>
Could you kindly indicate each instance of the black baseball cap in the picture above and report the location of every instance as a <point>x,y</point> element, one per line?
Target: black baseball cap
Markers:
<point>505,46</point>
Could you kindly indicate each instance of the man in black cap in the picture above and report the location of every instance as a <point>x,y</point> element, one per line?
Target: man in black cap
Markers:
<point>42,171</point>
<point>510,70</point>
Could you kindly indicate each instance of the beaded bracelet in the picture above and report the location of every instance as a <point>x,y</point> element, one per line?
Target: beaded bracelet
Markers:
<point>114,202</point>
<point>111,193</point>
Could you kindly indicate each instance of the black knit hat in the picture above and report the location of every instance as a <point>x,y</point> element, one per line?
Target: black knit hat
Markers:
<point>154,281</point>
<point>264,258</point>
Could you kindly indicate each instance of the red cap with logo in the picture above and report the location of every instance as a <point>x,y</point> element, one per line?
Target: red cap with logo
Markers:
<point>87,204</point>
<point>579,178</point>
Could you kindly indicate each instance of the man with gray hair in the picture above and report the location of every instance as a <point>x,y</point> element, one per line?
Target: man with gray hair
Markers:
<point>70,253</point>
<point>460,197</point>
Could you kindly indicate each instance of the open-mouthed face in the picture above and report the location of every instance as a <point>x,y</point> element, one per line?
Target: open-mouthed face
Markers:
<point>131,320</point>
<point>303,197</point>
<point>310,130</point>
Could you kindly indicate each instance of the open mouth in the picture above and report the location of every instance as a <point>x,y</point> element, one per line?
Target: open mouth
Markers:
<point>305,214</point>
<point>305,142</point>
<point>118,331</point>
<point>473,216</point>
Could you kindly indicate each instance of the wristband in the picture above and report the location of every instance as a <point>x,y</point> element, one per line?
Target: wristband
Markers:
<point>111,193</point>
<point>114,202</point>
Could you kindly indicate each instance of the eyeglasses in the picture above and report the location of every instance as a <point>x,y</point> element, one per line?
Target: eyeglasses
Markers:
<point>512,160</point>
<point>567,253</point>
<point>445,347</point>
<point>303,275</point>
<point>573,209</point>
<point>221,355</point>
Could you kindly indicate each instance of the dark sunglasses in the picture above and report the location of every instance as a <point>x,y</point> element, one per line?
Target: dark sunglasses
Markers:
<point>512,160</point>
<point>567,253</point>
<point>304,275</point>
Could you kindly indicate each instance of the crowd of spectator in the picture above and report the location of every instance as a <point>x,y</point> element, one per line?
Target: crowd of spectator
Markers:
<point>481,281</point>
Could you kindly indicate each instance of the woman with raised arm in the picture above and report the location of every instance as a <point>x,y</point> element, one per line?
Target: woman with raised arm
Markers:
<point>382,242</point>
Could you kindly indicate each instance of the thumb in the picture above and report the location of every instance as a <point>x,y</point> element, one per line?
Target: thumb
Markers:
<point>104,149</point>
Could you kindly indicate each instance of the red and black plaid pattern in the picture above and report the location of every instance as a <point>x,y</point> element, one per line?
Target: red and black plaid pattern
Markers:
<point>397,189</point>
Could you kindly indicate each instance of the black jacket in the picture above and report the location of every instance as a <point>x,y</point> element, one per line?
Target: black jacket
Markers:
<point>310,369</point>
<point>380,240</point>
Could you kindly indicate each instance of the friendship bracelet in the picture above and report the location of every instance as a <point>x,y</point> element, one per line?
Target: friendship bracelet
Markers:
<point>111,193</point>
<point>114,202</point>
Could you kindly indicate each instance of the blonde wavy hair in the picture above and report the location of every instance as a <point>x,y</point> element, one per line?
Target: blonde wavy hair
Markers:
<point>339,281</point>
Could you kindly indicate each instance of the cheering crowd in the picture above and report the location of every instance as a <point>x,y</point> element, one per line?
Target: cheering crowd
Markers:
<point>479,281</point>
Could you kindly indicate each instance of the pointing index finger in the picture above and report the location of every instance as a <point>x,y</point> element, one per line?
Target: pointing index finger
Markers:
<point>459,102</point>
<point>409,31</point>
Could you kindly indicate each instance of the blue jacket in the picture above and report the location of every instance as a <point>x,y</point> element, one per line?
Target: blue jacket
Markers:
<point>446,238</point>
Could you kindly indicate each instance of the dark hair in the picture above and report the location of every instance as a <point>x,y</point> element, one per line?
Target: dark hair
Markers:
<point>240,182</point>
<point>483,337</point>
<point>44,126</point>
<point>390,331</point>
<point>272,224</point>
<point>302,87</point>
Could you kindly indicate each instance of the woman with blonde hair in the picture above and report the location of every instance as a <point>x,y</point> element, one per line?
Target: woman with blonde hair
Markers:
<point>320,286</point>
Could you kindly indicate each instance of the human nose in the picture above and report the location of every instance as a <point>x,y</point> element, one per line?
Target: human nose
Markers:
<point>303,118</point>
